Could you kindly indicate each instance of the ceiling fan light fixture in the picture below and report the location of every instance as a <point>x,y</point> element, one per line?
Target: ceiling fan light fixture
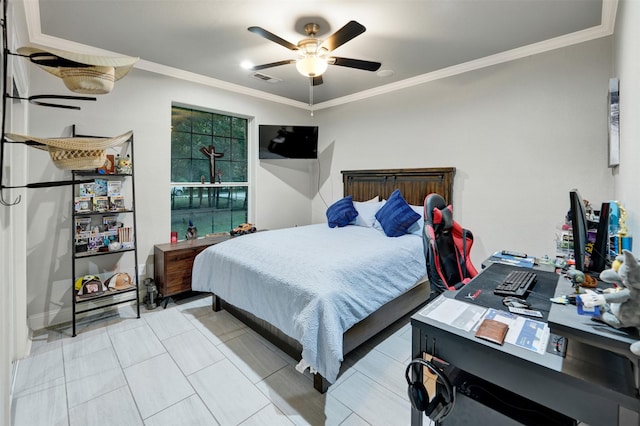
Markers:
<point>311,65</point>
<point>313,58</point>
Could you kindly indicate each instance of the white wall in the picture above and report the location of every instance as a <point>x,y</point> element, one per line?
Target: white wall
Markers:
<point>627,69</point>
<point>520,134</point>
<point>141,102</point>
<point>14,332</point>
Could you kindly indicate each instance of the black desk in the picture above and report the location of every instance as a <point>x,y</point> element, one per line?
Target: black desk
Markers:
<point>594,383</point>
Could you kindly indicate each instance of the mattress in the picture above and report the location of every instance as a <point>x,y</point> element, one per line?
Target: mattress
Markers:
<point>312,282</point>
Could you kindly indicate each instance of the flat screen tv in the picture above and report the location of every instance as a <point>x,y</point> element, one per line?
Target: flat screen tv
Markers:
<point>278,142</point>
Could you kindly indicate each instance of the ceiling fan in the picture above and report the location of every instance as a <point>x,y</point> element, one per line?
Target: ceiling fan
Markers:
<point>313,53</point>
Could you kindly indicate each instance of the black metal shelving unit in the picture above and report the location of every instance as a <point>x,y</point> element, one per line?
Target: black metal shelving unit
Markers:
<point>81,304</point>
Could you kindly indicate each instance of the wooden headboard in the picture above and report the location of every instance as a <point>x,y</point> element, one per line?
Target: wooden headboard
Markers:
<point>414,184</point>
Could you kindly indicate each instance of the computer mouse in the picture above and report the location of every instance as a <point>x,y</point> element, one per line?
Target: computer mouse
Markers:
<point>515,302</point>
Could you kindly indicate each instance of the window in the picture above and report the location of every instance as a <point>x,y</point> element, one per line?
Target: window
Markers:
<point>209,168</point>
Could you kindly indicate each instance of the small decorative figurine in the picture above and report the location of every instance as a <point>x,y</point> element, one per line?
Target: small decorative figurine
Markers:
<point>220,173</point>
<point>123,165</point>
<point>192,231</point>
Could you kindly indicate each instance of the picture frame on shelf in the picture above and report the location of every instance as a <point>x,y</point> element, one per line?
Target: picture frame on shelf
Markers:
<point>109,167</point>
<point>83,225</point>
<point>81,245</point>
<point>95,241</point>
<point>100,204</point>
<point>110,222</point>
<point>114,187</point>
<point>86,189</point>
<point>83,204</point>
<point>614,122</point>
<point>100,187</point>
<point>116,203</point>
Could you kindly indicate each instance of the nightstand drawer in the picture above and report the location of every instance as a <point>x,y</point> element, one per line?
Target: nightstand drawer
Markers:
<point>173,263</point>
<point>182,255</point>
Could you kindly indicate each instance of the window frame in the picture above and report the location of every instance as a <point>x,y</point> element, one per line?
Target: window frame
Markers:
<point>250,164</point>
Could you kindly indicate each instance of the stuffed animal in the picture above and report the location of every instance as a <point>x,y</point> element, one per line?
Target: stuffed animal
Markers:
<point>621,308</point>
<point>123,164</point>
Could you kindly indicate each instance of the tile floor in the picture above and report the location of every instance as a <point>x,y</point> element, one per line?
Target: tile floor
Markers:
<point>188,365</point>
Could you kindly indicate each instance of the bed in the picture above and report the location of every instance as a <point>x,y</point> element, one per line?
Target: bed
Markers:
<point>311,310</point>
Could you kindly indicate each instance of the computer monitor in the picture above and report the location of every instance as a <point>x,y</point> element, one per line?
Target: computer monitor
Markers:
<point>579,228</point>
<point>597,250</point>
<point>600,249</point>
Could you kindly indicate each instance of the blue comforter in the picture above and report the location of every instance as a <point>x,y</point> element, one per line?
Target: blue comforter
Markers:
<point>312,282</point>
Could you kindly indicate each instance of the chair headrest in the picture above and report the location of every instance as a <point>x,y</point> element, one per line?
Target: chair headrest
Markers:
<point>437,212</point>
<point>443,217</point>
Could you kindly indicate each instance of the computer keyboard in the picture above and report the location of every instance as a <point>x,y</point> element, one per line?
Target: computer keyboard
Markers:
<point>517,283</point>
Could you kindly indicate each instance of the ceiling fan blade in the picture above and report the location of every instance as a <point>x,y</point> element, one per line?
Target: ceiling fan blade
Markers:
<point>272,64</point>
<point>350,31</point>
<point>317,80</point>
<point>274,38</point>
<point>355,63</point>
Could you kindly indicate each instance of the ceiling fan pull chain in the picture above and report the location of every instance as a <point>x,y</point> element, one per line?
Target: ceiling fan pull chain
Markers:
<point>311,93</point>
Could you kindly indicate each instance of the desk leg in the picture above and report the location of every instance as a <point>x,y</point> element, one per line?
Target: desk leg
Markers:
<point>636,374</point>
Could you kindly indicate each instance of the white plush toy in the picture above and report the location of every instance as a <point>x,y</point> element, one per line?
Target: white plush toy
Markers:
<point>619,309</point>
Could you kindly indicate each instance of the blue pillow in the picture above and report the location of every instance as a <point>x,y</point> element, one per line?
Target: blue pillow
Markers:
<point>341,212</point>
<point>396,216</point>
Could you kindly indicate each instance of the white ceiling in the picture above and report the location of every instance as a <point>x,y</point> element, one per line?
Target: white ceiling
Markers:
<point>418,40</point>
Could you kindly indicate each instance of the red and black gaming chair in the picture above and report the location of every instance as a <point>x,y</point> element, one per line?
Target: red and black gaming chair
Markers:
<point>446,247</point>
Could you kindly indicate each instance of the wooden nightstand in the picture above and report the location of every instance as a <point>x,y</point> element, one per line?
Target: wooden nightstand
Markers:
<point>173,263</point>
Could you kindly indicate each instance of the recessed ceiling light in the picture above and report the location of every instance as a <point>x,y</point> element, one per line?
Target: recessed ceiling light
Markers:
<point>247,65</point>
<point>385,73</point>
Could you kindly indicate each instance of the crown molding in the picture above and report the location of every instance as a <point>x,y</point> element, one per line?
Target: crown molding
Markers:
<point>606,28</point>
<point>212,82</point>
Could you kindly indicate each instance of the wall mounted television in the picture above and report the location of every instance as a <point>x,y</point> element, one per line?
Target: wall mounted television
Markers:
<point>278,142</point>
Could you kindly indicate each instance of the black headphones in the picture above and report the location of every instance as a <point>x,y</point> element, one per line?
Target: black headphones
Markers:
<point>442,403</point>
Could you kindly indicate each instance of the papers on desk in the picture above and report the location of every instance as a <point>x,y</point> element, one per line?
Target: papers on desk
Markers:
<point>525,262</point>
<point>453,312</point>
<point>524,332</point>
